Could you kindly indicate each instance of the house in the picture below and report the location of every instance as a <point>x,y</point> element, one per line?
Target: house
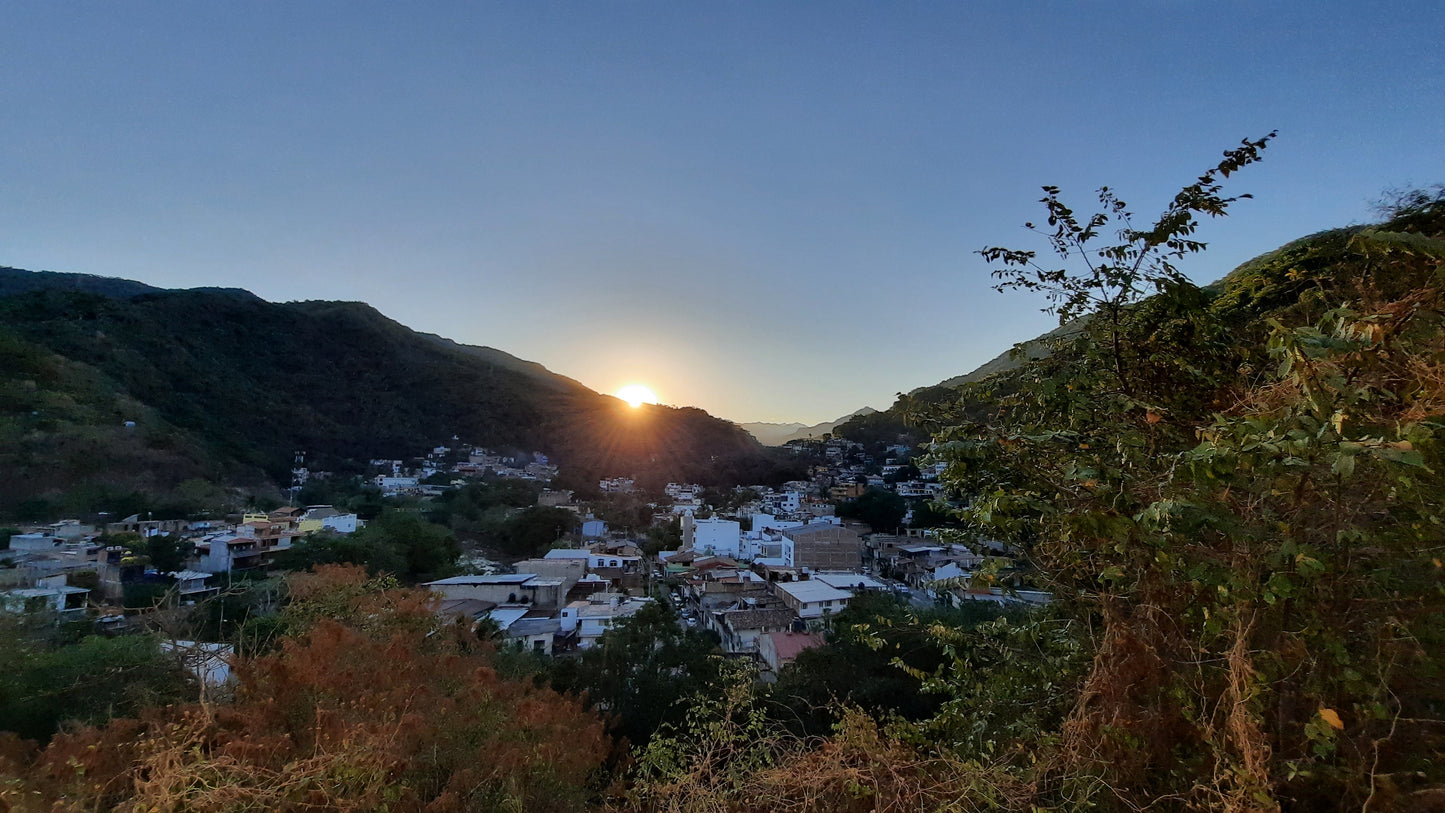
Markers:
<point>822,546</point>
<point>324,517</point>
<point>716,537</point>
<point>536,635</point>
<point>223,553</point>
<point>503,588</point>
<point>50,594</point>
<point>589,619</point>
<point>597,560</point>
<point>717,588</point>
<point>570,571</point>
<point>741,629</point>
<point>35,542</point>
<point>811,600</point>
<point>191,584</point>
<point>853,582</point>
<point>779,649</point>
<point>617,485</point>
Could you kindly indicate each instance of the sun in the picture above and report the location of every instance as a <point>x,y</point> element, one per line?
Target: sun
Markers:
<point>637,394</point>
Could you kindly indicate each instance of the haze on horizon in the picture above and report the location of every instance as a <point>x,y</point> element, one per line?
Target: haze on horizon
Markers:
<point>767,211</point>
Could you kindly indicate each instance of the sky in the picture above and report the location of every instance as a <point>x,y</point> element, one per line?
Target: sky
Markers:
<point>769,210</point>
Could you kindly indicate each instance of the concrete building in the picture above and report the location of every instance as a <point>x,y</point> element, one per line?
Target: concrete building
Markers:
<point>503,588</point>
<point>812,600</point>
<point>716,537</point>
<point>778,649</point>
<point>741,630</point>
<point>592,617</point>
<point>823,546</point>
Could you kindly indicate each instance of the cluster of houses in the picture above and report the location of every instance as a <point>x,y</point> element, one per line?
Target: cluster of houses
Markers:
<point>561,602</point>
<point>396,479</point>
<point>42,564</point>
<point>847,471</point>
<point>765,583</point>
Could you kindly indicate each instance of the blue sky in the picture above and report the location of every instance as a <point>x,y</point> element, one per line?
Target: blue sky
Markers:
<point>768,210</point>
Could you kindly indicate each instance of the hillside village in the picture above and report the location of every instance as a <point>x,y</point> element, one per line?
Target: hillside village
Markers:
<point>763,573</point>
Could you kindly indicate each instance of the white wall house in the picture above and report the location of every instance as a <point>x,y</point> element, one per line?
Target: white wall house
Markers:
<point>812,599</point>
<point>341,523</point>
<point>594,560</point>
<point>597,614</point>
<point>718,537</point>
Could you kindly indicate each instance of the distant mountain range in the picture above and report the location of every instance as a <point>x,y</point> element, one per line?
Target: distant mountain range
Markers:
<point>777,434</point>
<point>222,385</point>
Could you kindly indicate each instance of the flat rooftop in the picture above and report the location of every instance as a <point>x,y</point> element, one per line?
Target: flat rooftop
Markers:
<point>496,578</point>
<point>849,581</point>
<point>812,591</point>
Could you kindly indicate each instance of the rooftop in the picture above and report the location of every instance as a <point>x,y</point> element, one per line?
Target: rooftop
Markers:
<point>564,553</point>
<point>790,644</point>
<point>849,581</point>
<point>758,619</point>
<point>507,615</point>
<point>467,607</point>
<point>534,626</point>
<point>496,578</point>
<point>812,590</point>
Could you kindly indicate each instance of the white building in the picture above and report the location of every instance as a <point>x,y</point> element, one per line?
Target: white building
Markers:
<point>594,560</point>
<point>852,582</point>
<point>599,613</point>
<point>50,594</point>
<point>716,537</point>
<point>812,599</point>
<point>392,485</point>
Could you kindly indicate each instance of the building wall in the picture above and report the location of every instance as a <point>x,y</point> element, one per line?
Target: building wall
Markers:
<point>833,547</point>
<point>718,535</point>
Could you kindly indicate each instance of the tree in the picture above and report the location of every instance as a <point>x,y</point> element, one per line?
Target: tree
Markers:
<point>532,531</point>
<point>46,682</point>
<point>395,542</point>
<point>1104,281</point>
<point>643,672</point>
<point>882,509</point>
<point>1233,492</point>
<point>167,553</point>
<point>370,704</point>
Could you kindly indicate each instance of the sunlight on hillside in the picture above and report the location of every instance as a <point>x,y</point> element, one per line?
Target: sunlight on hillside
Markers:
<point>637,394</point>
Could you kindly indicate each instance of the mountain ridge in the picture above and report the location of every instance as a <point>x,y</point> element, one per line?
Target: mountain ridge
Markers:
<point>779,434</point>
<point>226,386</point>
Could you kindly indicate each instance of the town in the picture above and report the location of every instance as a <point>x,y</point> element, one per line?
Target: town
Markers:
<point>762,569</point>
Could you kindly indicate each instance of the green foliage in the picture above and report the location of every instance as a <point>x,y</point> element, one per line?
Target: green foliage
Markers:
<point>667,536</point>
<point>167,553</point>
<point>877,655</point>
<point>882,509</point>
<point>395,542</point>
<point>1234,490</point>
<point>533,531</point>
<point>45,683</point>
<point>630,513</point>
<point>644,672</point>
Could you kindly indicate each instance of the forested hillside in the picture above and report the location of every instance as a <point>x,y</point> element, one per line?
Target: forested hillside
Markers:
<point>226,386</point>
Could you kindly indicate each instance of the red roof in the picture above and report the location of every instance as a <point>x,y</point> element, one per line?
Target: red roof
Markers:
<point>790,644</point>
